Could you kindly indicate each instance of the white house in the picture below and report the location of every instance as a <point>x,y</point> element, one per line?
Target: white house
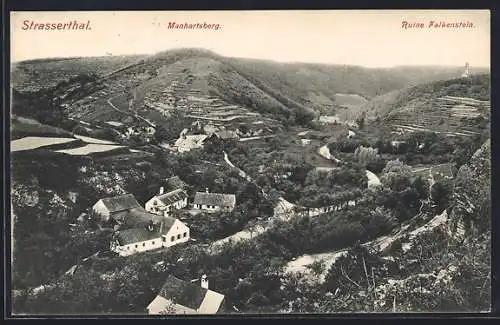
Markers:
<point>305,142</point>
<point>214,201</point>
<point>163,203</point>
<point>164,233</point>
<point>182,297</point>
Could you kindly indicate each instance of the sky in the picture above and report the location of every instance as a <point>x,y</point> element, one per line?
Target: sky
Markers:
<point>370,38</point>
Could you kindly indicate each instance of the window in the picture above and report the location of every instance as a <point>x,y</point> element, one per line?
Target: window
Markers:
<point>185,234</point>
<point>172,238</point>
<point>128,247</point>
<point>179,236</point>
<point>164,239</point>
<point>153,243</point>
<point>135,246</point>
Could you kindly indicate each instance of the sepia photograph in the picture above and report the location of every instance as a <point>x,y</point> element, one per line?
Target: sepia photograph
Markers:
<point>250,162</point>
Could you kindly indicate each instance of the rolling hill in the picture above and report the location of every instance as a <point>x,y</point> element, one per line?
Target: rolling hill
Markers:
<point>197,80</point>
<point>459,106</point>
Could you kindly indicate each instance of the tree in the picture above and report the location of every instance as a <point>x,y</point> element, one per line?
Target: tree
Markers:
<point>361,120</point>
<point>365,155</point>
<point>422,187</point>
<point>440,195</point>
<point>396,175</point>
<point>317,267</point>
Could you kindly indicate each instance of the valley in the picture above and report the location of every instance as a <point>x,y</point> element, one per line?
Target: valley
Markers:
<point>348,183</point>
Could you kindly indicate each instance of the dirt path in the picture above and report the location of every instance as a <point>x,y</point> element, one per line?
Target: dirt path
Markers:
<point>373,179</point>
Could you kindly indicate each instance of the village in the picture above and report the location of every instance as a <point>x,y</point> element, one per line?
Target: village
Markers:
<point>138,229</point>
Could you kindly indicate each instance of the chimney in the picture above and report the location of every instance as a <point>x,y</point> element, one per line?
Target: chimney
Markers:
<point>204,281</point>
<point>162,190</point>
<point>206,189</point>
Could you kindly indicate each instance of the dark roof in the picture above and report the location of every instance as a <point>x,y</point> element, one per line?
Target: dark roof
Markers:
<point>217,199</point>
<point>137,217</point>
<point>183,293</point>
<point>172,196</point>
<point>135,235</point>
<point>142,233</point>
<point>120,202</point>
<point>174,182</point>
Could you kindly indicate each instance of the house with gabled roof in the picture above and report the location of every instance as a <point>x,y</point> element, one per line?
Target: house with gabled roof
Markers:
<point>108,207</point>
<point>155,234</point>
<point>212,202</point>
<point>164,203</point>
<point>183,297</point>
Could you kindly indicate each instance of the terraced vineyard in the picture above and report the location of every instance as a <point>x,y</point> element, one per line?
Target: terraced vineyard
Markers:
<point>449,115</point>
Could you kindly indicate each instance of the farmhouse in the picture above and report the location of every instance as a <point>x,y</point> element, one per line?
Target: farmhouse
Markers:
<point>157,233</point>
<point>189,142</point>
<point>163,203</point>
<point>182,297</point>
<point>214,201</point>
<point>110,207</point>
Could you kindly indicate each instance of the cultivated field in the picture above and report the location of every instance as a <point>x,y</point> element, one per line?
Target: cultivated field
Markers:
<point>89,149</point>
<point>31,143</point>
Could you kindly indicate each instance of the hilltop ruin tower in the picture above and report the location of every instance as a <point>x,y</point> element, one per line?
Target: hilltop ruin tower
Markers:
<point>466,73</point>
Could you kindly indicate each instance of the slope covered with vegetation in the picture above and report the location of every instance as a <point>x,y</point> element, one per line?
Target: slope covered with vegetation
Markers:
<point>420,97</point>
<point>293,91</point>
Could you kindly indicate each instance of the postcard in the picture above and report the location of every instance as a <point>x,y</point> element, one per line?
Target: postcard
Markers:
<point>250,162</point>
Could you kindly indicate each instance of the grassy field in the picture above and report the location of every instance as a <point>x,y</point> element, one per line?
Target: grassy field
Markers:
<point>31,143</point>
<point>89,149</point>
